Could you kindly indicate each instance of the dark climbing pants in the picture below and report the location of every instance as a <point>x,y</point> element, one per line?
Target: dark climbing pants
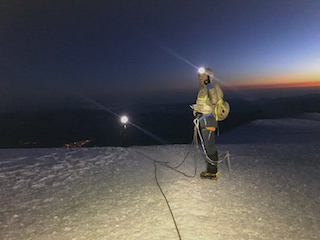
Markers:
<point>208,138</point>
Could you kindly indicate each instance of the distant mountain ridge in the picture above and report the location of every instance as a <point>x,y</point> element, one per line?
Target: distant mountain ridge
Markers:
<point>171,122</point>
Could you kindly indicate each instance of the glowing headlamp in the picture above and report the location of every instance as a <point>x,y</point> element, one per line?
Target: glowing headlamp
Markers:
<point>124,119</point>
<point>201,70</point>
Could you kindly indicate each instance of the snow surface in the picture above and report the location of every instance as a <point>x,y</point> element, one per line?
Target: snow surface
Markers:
<point>271,192</point>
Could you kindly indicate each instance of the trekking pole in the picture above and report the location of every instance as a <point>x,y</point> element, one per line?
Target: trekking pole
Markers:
<point>228,162</point>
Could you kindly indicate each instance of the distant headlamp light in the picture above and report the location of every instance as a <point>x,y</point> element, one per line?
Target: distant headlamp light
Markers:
<point>124,119</point>
<point>201,70</point>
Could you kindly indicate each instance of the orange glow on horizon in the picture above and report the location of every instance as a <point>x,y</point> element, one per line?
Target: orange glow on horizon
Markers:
<point>280,85</point>
<point>284,81</point>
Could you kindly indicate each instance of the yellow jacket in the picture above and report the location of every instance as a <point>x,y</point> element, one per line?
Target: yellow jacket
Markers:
<point>208,96</point>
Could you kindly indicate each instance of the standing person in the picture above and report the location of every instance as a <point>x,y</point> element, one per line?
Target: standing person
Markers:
<point>124,132</point>
<point>124,136</point>
<point>208,110</point>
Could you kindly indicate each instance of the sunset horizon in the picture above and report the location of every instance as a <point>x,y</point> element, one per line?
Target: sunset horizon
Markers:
<point>308,84</point>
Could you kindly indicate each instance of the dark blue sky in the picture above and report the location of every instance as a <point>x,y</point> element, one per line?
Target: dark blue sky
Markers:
<point>128,50</point>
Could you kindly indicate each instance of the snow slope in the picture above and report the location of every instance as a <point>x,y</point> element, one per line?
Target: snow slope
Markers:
<point>271,192</point>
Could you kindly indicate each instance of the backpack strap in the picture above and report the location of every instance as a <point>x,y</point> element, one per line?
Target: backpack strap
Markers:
<point>216,109</point>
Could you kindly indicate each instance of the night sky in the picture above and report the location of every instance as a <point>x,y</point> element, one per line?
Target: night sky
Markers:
<point>130,51</point>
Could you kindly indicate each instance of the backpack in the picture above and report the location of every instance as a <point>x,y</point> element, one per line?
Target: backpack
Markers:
<point>221,110</point>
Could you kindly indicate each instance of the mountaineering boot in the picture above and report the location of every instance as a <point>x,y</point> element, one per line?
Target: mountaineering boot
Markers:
<point>207,175</point>
<point>212,169</point>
